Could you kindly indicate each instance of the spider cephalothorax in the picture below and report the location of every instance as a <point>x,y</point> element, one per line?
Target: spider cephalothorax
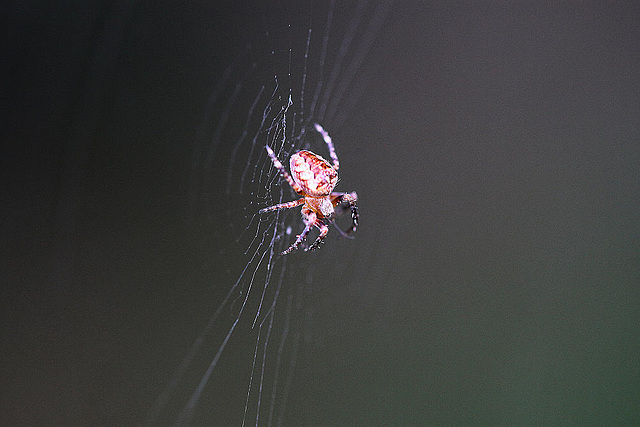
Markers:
<point>314,178</point>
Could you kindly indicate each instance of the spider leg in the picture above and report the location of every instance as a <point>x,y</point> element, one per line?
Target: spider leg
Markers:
<point>310,219</point>
<point>351,198</point>
<point>283,171</point>
<point>329,142</point>
<point>342,233</point>
<point>323,233</point>
<point>287,205</point>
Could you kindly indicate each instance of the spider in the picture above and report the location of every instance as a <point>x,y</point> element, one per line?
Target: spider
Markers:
<point>314,178</point>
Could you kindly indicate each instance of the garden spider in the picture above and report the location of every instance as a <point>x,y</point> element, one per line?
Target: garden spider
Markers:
<point>314,178</point>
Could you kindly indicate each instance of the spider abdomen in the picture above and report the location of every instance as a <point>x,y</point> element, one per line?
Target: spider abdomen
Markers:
<point>314,174</point>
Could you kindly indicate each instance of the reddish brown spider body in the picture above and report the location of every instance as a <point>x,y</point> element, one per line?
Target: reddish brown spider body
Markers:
<point>314,178</point>
<point>314,174</point>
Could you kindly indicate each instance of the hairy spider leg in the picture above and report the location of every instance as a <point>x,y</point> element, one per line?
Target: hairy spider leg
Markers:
<point>351,198</point>
<point>310,220</point>
<point>300,238</point>
<point>323,233</point>
<point>329,141</point>
<point>283,171</point>
<point>287,205</point>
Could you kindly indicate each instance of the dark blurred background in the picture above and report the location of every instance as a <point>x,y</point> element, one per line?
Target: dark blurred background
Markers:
<point>494,279</point>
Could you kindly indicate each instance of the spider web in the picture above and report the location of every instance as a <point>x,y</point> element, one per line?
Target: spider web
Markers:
<point>303,64</point>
